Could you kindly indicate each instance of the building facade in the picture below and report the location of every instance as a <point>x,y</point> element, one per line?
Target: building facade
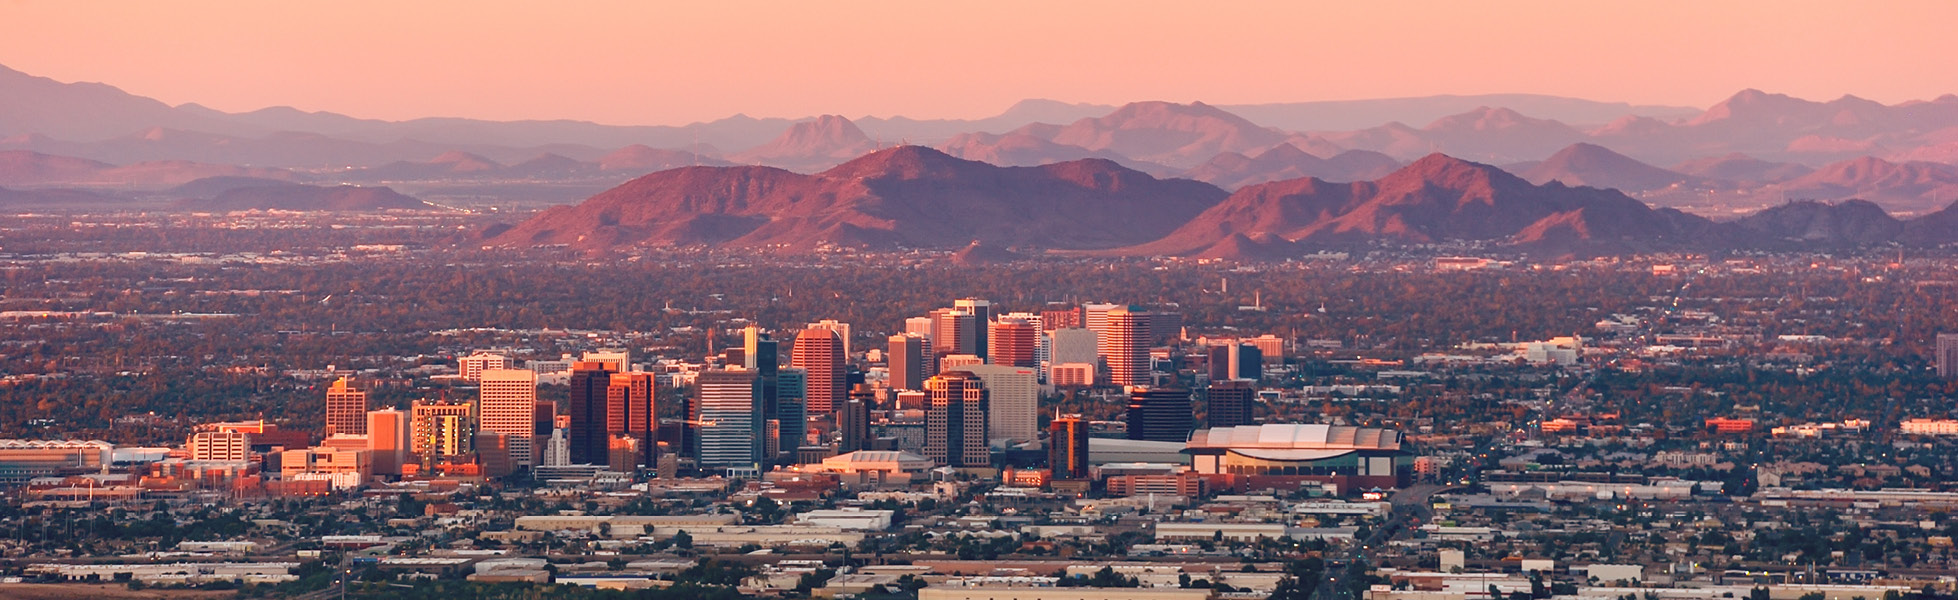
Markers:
<point>732,426</point>
<point>1067,448</point>
<point>905,360</point>
<point>1124,342</point>
<point>1013,395</point>
<point>1014,343</point>
<point>346,408</point>
<point>955,422</point>
<point>820,352</point>
<point>1230,403</point>
<point>1160,414</point>
<point>508,406</point>
<point>586,434</point>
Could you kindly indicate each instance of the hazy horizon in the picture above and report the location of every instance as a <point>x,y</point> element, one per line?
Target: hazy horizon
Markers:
<point>635,64</point>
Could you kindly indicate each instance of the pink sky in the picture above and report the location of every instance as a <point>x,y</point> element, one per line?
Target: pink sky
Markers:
<point>659,63</point>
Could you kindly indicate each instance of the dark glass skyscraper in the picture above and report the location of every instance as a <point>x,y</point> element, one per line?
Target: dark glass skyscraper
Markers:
<point>906,362</point>
<point>1067,448</point>
<point>589,435</point>
<point>1230,403</point>
<point>1160,414</point>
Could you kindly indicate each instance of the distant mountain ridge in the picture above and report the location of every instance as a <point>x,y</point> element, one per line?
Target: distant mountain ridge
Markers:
<point>1435,199</point>
<point>904,197</point>
<point>300,197</point>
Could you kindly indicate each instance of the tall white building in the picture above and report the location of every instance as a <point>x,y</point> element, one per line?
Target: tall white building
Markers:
<point>471,367</point>
<point>508,406</point>
<point>1013,411</point>
<point>557,451</point>
<point>1947,354</point>
<point>732,424</point>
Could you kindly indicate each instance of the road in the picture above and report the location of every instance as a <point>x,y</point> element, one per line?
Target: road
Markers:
<point>1409,508</point>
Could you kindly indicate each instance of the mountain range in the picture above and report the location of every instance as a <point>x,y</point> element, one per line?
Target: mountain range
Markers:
<point>916,197</point>
<point>1281,176</point>
<point>903,197</point>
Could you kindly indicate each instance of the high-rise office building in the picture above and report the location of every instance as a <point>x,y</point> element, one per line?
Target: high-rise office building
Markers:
<point>1095,316</point>
<point>1124,343</point>
<point>820,352</point>
<point>346,408</point>
<point>791,407</point>
<point>1246,362</point>
<point>1160,414</point>
<point>955,421</point>
<point>906,362</point>
<point>841,329</point>
<point>471,367</point>
<point>732,426</point>
<point>1013,397</point>
<point>1217,362</point>
<point>387,440</point>
<point>982,318</point>
<point>587,433</point>
<point>442,430</point>
<point>952,332</point>
<point>783,400</point>
<point>630,412</point>
<point>1041,350</point>
<point>1015,343</point>
<point>508,406</point>
<point>1230,403</point>
<point>853,420</point>
<point>751,337</point>
<point>1067,448</point>
<point>493,453</point>
<point>1948,355</point>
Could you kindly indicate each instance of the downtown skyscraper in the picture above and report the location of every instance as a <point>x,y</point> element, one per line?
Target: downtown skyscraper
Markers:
<point>588,434</point>
<point>820,352</point>
<point>1124,342</point>
<point>731,419</point>
<point>905,360</point>
<point>346,408</point>
<point>955,420</point>
<point>508,407</point>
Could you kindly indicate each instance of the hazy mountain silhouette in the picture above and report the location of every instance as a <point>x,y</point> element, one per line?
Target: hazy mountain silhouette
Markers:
<point>304,198</point>
<point>908,196</point>
<point>1438,198</point>
<point>1596,166</point>
<point>1231,170</point>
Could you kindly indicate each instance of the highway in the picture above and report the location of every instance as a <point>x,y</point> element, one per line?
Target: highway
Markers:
<point>1409,508</point>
